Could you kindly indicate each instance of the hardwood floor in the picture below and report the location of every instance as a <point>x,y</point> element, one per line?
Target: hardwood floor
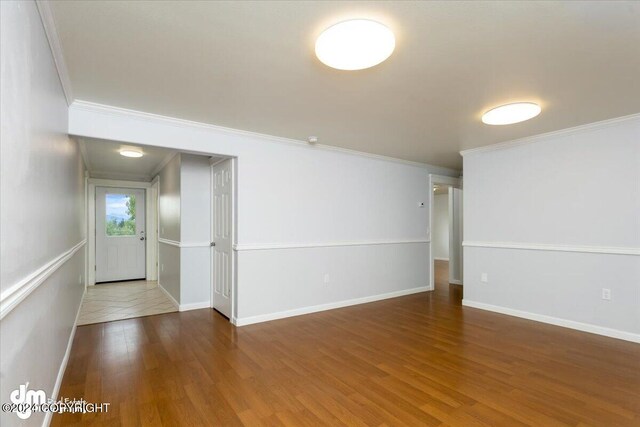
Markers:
<point>422,359</point>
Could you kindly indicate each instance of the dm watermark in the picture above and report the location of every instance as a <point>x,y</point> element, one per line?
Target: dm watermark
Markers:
<point>25,402</point>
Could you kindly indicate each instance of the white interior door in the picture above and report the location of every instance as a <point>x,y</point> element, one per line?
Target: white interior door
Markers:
<point>222,232</point>
<point>120,234</point>
<point>455,236</point>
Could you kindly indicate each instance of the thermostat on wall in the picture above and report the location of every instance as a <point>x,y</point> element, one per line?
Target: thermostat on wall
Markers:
<point>421,204</point>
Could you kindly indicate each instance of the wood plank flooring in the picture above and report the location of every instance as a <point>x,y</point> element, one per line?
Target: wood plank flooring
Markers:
<point>417,360</point>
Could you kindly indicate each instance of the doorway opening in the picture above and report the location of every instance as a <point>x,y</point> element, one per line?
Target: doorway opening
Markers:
<point>445,243</point>
<point>161,230</point>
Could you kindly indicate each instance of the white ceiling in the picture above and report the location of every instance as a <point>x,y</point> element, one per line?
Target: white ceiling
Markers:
<point>251,66</point>
<point>103,160</point>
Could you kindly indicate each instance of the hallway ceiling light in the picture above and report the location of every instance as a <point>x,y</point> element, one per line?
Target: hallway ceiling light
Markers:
<point>511,113</point>
<point>130,153</point>
<point>355,44</point>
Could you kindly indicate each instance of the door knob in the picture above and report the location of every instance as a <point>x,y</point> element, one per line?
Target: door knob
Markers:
<point>142,238</point>
<point>213,243</point>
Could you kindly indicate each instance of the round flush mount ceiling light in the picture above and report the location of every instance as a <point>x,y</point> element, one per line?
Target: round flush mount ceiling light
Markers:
<point>511,113</point>
<point>130,153</point>
<point>355,44</point>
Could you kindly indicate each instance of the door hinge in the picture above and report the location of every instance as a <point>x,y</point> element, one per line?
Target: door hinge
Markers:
<point>95,268</point>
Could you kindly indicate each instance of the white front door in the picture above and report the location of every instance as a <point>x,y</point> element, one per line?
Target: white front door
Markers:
<point>222,234</point>
<point>120,234</point>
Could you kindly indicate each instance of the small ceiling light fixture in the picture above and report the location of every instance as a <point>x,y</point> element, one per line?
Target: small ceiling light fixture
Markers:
<point>355,44</point>
<point>128,152</point>
<point>511,113</point>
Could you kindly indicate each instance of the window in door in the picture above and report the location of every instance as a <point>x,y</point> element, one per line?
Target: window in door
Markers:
<point>120,214</point>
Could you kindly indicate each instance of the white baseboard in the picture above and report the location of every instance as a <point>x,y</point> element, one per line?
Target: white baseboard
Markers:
<point>455,282</point>
<point>184,307</point>
<point>65,361</point>
<point>242,321</point>
<point>571,324</point>
<point>440,259</point>
<point>171,298</point>
<point>194,306</point>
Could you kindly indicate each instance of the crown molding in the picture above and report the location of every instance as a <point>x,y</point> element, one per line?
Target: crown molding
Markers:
<point>115,183</point>
<point>82,146</point>
<point>119,176</point>
<point>163,163</point>
<point>546,136</point>
<point>48,22</point>
<point>150,117</point>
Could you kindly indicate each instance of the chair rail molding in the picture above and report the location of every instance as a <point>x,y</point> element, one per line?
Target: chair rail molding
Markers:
<point>558,248</point>
<point>169,242</point>
<point>10,298</point>
<point>273,246</point>
<point>184,244</point>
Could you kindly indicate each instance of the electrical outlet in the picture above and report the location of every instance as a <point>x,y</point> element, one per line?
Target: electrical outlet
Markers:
<point>327,279</point>
<point>606,294</point>
<point>162,267</point>
<point>484,278</point>
<point>80,279</point>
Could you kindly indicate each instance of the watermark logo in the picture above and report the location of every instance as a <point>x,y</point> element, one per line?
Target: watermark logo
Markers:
<point>25,402</point>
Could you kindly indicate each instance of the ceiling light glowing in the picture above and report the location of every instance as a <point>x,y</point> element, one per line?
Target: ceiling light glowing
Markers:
<point>130,153</point>
<point>355,44</point>
<point>511,113</point>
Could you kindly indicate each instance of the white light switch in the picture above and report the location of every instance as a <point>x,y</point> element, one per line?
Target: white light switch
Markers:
<point>484,278</point>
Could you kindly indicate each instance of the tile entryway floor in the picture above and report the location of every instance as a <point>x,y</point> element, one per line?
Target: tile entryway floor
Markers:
<point>123,300</point>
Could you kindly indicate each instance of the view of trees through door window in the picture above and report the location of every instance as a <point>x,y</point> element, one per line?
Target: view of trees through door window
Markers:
<point>121,215</point>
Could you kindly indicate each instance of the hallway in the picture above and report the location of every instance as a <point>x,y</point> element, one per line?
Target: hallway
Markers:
<point>123,300</point>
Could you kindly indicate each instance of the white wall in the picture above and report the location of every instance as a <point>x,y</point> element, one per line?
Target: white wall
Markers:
<point>169,200</point>
<point>42,211</point>
<point>185,220</point>
<point>440,234</point>
<point>169,228</point>
<point>577,190</point>
<point>304,198</point>
<point>195,201</point>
